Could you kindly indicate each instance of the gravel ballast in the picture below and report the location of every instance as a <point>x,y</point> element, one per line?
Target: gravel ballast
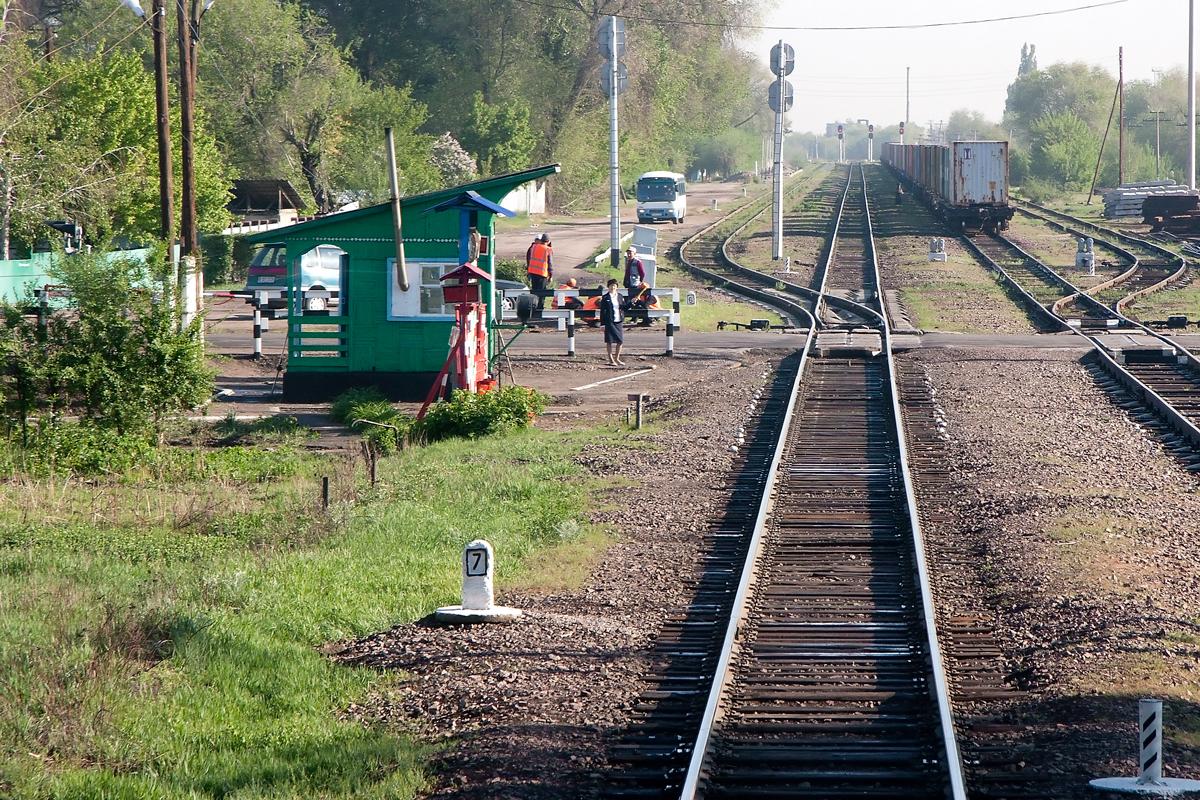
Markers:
<point>1076,533</point>
<point>529,710</point>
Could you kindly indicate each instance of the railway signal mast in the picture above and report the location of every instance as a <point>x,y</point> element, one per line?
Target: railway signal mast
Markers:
<point>613,80</point>
<point>841,143</point>
<point>779,99</point>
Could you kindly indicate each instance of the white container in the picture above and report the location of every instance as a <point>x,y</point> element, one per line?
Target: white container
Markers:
<point>979,174</point>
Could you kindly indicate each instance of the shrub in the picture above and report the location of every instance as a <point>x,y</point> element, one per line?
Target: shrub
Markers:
<point>85,449</point>
<point>474,415</point>
<point>511,270</point>
<point>367,411</point>
<point>216,251</point>
<point>347,400</point>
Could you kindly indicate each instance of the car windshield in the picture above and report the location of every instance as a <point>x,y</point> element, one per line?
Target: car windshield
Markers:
<point>271,255</point>
<point>655,189</point>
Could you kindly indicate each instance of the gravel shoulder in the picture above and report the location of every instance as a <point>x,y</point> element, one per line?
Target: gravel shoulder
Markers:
<point>1075,532</point>
<point>959,295</point>
<point>530,710</point>
<point>807,214</point>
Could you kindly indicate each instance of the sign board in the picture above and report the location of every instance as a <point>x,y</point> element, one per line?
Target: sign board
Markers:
<point>484,245</point>
<point>475,562</point>
<point>622,79</point>
<point>604,37</point>
<point>783,60</point>
<point>773,96</point>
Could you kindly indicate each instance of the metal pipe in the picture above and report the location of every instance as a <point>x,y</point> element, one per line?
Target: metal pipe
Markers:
<point>397,228</point>
<point>1121,116</point>
<point>777,177</point>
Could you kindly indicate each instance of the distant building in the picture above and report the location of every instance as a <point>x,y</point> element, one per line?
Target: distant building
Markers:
<point>263,204</point>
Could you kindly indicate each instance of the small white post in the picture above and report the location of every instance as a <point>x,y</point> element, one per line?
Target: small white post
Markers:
<point>257,331</point>
<point>1149,780</point>
<point>673,322</point>
<point>1150,725</point>
<point>571,332</point>
<point>478,591</point>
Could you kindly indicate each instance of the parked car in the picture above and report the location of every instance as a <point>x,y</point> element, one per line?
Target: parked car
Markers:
<point>320,269</point>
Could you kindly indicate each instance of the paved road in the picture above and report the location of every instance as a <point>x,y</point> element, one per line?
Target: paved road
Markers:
<point>575,240</point>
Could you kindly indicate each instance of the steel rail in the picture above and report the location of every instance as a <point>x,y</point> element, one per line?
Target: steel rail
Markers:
<point>738,610</point>
<point>1174,416</point>
<point>941,685</point>
<point>722,676</point>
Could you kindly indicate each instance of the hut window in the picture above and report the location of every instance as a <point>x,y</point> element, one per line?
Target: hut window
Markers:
<point>431,289</point>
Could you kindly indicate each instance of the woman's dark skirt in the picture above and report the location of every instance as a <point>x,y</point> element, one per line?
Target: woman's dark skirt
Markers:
<point>614,333</point>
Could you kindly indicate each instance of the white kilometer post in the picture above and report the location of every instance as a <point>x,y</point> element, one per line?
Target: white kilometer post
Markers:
<point>478,593</point>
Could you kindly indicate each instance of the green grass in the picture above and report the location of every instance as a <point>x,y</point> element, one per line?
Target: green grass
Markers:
<point>171,660</point>
<point>705,315</point>
<point>1159,305</point>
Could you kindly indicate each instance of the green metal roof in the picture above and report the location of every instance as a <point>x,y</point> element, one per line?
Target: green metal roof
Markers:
<point>497,187</point>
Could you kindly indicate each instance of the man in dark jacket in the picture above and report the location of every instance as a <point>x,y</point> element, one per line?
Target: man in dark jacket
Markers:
<point>635,272</point>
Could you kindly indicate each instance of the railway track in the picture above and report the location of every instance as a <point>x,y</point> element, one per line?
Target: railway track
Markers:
<point>1160,372</point>
<point>831,684</point>
<point>1152,267</point>
<point>707,254</point>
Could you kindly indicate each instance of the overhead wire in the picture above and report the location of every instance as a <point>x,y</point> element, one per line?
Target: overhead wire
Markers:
<point>47,54</point>
<point>893,27</point>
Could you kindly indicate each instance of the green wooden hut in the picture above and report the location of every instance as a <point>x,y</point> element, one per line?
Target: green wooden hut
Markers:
<point>377,335</point>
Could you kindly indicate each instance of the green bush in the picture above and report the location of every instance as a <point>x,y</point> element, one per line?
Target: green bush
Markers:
<point>367,411</point>
<point>344,404</point>
<point>511,270</point>
<point>474,415</point>
<point>216,253</point>
<point>84,449</point>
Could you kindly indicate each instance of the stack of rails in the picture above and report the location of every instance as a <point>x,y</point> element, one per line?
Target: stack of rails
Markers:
<point>1163,199</point>
<point>966,183</point>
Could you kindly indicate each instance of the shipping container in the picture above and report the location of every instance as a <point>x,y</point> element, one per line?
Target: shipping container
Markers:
<point>980,174</point>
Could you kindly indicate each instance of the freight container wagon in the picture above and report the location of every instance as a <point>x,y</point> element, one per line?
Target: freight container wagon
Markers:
<point>966,183</point>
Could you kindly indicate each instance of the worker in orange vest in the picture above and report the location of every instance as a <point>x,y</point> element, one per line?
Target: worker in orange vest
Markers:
<point>539,265</point>
<point>568,302</point>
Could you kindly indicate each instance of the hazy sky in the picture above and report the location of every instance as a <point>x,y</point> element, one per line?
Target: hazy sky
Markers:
<point>860,74</point>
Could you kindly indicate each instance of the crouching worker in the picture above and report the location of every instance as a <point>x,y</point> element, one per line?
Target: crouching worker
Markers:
<point>641,300</point>
<point>573,303</point>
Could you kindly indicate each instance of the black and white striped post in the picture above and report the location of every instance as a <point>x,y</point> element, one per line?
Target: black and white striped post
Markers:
<point>1149,780</point>
<point>260,322</point>
<point>672,322</point>
<point>571,332</point>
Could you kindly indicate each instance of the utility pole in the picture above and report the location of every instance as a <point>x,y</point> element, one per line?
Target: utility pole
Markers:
<point>1157,144</point>
<point>612,45</point>
<point>1191,78</point>
<point>907,72</point>
<point>1121,116</point>
<point>188,236</point>
<point>779,100</point>
<point>166,193</point>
